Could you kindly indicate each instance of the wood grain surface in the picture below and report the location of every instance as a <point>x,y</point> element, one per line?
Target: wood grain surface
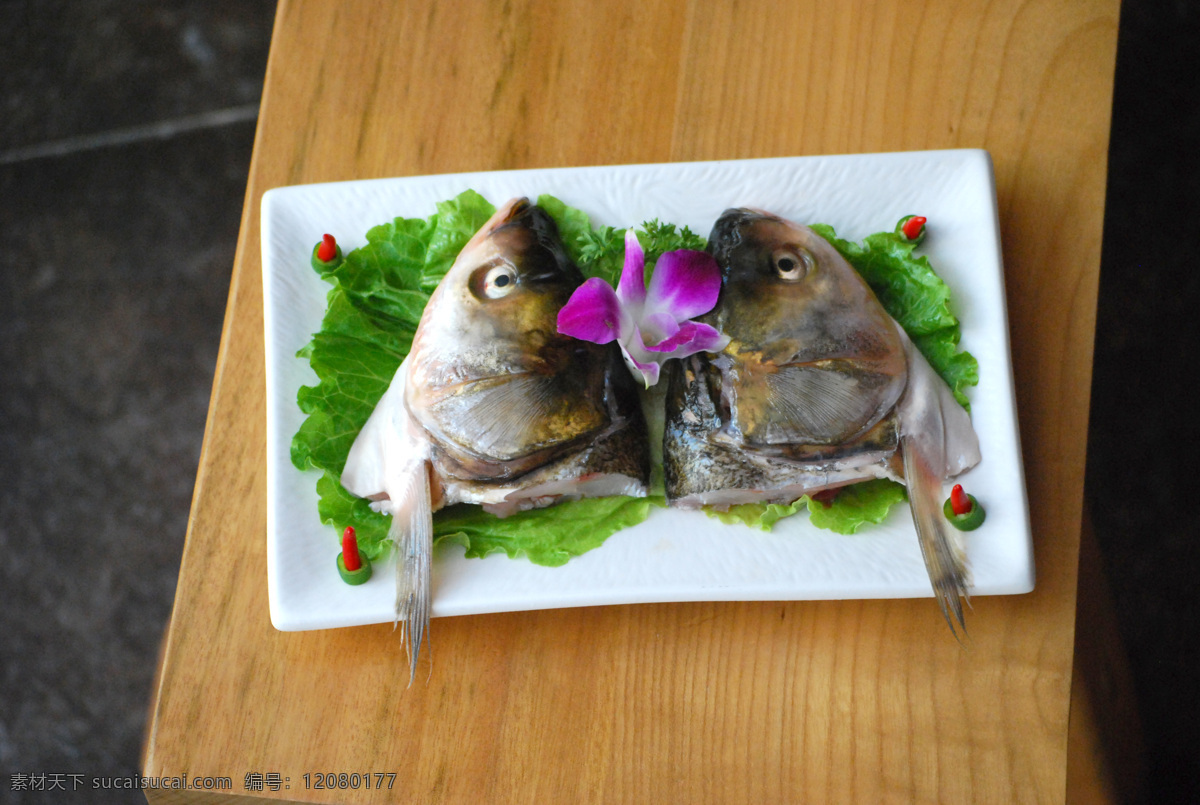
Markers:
<point>854,701</point>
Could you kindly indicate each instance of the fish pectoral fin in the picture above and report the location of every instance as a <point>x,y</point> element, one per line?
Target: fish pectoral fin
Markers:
<point>388,440</point>
<point>411,532</point>
<point>937,441</point>
<point>941,545</point>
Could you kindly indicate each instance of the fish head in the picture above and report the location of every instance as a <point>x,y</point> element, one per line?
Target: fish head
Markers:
<point>813,356</point>
<point>496,310</point>
<point>784,288</point>
<point>489,375</point>
<point>511,279</point>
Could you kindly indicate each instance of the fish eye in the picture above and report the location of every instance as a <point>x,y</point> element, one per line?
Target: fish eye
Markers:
<point>791,264</point>
<point>499,281</point>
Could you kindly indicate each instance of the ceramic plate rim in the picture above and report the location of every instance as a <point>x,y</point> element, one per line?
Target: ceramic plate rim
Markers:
<point>306,593</point>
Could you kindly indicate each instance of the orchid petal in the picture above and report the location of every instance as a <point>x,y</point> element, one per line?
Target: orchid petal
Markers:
<point>631,288</point>
<point>640,363</point>
<point>692,337</point>
<point>685,282</point>
<point>683,335</point>
<point>647,373</point>
<point>593,313</point>
<point>658,327</point>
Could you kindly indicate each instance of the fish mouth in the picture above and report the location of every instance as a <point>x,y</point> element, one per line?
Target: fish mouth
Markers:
<point>728,231</point>
<point>519,214</point>
<point>522,213</point>
<point>513,210</point>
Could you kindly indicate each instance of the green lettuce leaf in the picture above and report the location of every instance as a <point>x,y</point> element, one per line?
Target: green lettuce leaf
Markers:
<point>549,536</point>
<point>339,508</point>
<point>856,505</point>
<point>756,515</point>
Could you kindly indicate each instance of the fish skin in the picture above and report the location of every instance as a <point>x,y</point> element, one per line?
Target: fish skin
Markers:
<point>702,468</point>
<point>493,406</point>
<point>473,357</point>
<point>818,388</point>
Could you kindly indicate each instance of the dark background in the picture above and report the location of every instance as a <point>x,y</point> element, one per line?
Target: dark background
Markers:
<point>125,137</point>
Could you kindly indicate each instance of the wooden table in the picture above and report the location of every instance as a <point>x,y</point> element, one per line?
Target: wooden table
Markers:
<point>865,701</point>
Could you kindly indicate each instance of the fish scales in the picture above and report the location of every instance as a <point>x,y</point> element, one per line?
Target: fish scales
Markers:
<point>700,469</point>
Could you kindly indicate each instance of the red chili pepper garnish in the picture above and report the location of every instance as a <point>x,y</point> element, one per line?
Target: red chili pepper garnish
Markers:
<point>350,557</point>
<point>959,502</point>
<point>328,249</point>
<point>912,227</point>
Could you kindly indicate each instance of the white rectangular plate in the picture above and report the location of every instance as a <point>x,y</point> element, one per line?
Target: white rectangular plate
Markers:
<point>673,555</point>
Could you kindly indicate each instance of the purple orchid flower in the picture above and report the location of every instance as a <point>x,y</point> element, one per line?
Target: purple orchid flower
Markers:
<point>651,325</point>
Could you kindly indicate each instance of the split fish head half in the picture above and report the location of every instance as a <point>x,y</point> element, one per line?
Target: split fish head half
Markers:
<point>813,359</point>
<point>493,406</point>
<point>491,380</point>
